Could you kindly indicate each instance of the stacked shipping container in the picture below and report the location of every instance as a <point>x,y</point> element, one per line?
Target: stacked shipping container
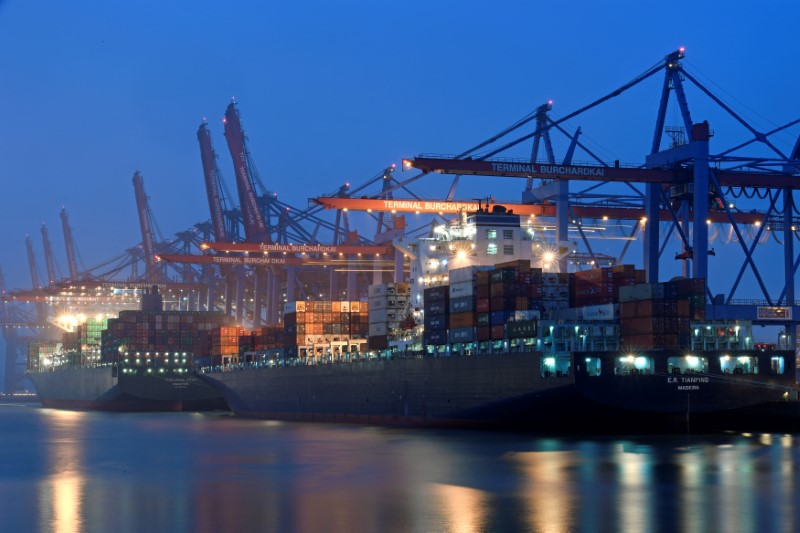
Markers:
<point>600,286</point>
<point>226,344</point>
<point>659,315</point>
<point>314,325</point>
<point>463,299</point>
<point>161,331</point>
<point>437,312</point>
<point>387,303</point>
<point>555,293</point>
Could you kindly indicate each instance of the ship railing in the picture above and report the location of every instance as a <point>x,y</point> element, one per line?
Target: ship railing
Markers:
<point>360,357</point>
<point>72,366</point>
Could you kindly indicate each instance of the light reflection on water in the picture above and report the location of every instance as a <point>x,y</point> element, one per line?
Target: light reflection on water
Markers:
<point>63,471</point>
<point>61,493</point>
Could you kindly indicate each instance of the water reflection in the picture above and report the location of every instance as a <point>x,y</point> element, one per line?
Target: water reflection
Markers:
<point>463,509</point>
<point>548,490</point>
<point>175,472</point>
<point>62,491</point>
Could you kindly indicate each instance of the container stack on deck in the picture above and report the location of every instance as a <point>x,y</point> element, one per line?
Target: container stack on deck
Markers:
<point>310,327</point>
<point>463,297</point>
<point>41,354</point>
<point>226,344</point>
<point>436,308</point>
<point>600,286</point>
<point>268,338</point>
<point>90,333</point>
<point>659,315</point>
<point>509,296</point>
<point>555,293</point>
<point>387,302</point>
<point>161,331</point>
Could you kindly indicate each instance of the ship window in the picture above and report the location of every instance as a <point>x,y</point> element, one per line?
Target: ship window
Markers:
<point>593,366</point>
<point>508,234</point>
<point>491,249</point>
<point>491,233</point>
<point>741,364</point>
<point>508,249</point>
<point>633,364</point>
<point>687,364</point>
<point>555,366</point>
<point>776,364</point>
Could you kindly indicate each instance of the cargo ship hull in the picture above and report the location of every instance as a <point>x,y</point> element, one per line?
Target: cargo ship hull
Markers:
<point>98,388</point>
<point>711,399</point>
<point>501,391</point>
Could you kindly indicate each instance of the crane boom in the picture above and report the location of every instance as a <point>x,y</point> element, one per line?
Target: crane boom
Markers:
<point>543,210</point>
<point>69,245</point>
<point>212,178</point>
<point>35,284</point>
<point>41,310</point>
<point>255,227</point>
<point>525,169</point>
<point>49,258</point>
<point>295,248</point>
<point>146,226</point>
<point>256,261</point>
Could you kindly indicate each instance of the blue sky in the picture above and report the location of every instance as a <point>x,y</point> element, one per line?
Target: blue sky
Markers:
<point>93,90</point>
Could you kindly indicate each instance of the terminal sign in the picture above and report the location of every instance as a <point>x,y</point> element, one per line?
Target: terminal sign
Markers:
<point>774,313</point>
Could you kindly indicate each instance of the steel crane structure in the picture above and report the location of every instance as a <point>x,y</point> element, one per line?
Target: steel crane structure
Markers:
<point>146,225</point>
<point>224,222</point>
<point>69,246</point>
<point>686,181</point>
<point>266,220</point>
<point>41,309</point>
<point>49,258</point>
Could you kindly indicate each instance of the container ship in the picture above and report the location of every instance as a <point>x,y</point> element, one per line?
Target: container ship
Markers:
<point>141,361</point>
<point>472,341</point>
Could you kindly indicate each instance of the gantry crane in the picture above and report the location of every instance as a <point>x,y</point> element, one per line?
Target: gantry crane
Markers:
<point>256,222</point>
<point>224,227</point>
<point>41,309</point>
<point>686,181</point>
<point>146,225</point>
<point>69,246</point>
<point>49,258</point>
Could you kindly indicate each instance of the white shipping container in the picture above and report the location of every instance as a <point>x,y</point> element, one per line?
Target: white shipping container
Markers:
<point>387,302</point>
<point>376,330</point>
<point>382,316</point>
<point>461,289</point>
<point>464,274</point>
<point>382,289</point>
<point>599,312</point>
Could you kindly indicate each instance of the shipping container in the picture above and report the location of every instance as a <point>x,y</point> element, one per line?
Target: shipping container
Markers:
<point>462,335</point>
<point>435,322</point>
<point>462,305</point>
<point>435,336</point>
<point>521,329</point>
<point>498,332</point>
<point>460,290</point>
<point>435,294</point>
<point>461,320</point>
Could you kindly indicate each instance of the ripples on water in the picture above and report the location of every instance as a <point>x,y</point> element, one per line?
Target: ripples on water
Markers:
<point>68,471</point>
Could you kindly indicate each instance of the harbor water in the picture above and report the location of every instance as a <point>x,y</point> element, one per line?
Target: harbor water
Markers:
<point>66,471</point>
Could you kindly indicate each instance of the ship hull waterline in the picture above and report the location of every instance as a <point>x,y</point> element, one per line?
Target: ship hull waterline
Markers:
<point>99,389</point>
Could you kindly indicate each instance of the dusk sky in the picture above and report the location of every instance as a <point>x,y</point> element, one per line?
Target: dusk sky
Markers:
<point>94,90</point>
